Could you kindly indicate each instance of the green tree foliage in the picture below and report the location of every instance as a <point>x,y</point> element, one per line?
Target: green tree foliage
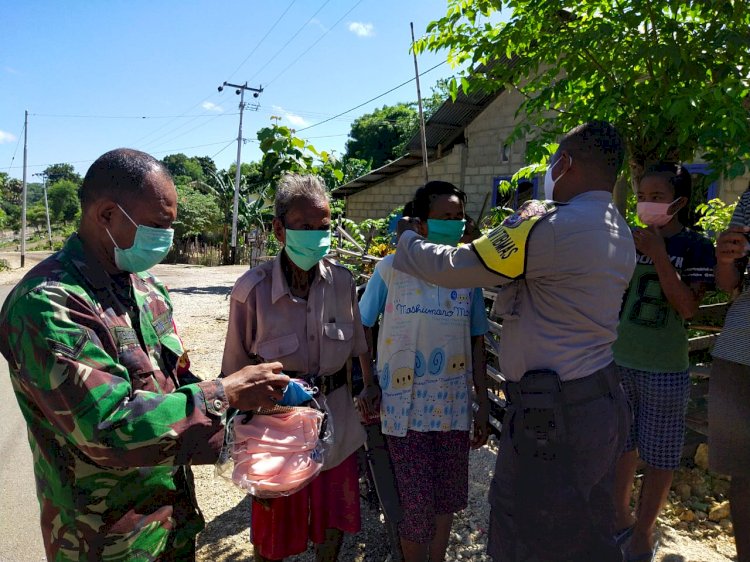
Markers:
<point>64,205</point>
<point>441,91</point>
<point>36,216</point>
<point>249,172</point>
<point>285,153</point>
<point>220,187</point>
<point>671,75</point>
<point>180,165</point>
<point>207,165</point>
<point>34,193</point>
<point>10,201</point>
<point>59,172</point>
<point>282,153</point>
<point>12,215</point>
<point>381,136</point>
<point>198,213</point>
<point>10,189</point>
<point>349,168</point>
<point>715,217</point>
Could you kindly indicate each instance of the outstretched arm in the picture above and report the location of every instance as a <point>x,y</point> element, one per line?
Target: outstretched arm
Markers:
<point>443,265</point>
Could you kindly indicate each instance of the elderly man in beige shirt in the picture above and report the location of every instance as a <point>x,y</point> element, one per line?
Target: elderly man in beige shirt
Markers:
<point>301,310</point>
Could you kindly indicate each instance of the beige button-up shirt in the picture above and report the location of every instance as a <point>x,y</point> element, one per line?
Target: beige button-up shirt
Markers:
<point>563,314</point>
<point>312,336</point>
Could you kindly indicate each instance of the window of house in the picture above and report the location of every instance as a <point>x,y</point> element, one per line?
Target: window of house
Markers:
<point>505,153</point>
<point>704,189</point>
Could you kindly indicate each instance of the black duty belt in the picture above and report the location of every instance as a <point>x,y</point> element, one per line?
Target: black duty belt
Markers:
<point>579,391</point>
<point>325,383</point>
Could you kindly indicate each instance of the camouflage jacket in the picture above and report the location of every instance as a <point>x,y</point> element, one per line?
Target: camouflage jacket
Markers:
<point>113,418</point>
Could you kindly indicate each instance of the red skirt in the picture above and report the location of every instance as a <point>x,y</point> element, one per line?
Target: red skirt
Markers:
<point>330,501</point>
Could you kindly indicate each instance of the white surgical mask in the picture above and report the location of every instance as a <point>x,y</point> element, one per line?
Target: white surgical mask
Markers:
<point>549,183</point>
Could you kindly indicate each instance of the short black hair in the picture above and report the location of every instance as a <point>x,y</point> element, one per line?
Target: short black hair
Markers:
<point>598,144</point>
<point>119,174</point>
<point>426,194</point>
<point>681,181</point>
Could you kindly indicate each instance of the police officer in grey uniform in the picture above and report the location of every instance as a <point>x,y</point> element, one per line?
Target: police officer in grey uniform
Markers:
<point>562,268</point>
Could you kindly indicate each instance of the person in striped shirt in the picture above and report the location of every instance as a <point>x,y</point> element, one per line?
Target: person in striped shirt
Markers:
<point>729,387</point>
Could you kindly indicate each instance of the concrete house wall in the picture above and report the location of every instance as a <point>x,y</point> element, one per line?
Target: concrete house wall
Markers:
<point>471,166</point>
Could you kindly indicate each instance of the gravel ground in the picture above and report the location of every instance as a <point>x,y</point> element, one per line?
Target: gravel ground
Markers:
<point>201,309</point>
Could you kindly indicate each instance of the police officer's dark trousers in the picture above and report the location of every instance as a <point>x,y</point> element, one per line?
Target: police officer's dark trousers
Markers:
<point>558,507</point>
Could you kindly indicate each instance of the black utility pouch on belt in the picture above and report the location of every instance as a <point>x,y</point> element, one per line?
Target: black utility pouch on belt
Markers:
<point>539,428</point>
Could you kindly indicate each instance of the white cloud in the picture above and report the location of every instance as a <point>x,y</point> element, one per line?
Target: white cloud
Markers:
<point>316,22</point>
<point>7,137</point>
<point>10,70</point>
<point>294,119</point>
<point>209,106</point>
<point>362,29</point>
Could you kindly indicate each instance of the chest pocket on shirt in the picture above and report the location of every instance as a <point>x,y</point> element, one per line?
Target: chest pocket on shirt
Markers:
<point>131,356</point>
<point>336,345</point>
<point>171,352</point>
<point>139,365</point>
<point>277,349</point>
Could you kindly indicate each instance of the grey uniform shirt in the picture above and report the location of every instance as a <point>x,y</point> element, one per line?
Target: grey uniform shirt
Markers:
<point>563,314</point>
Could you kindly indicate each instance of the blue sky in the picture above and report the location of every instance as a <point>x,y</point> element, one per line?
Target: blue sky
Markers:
<point>88,72</point>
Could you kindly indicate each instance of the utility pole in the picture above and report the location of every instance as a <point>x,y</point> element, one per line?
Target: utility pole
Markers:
<point>23,190</point>
<point>240,91</point>
<point>422,133</point>
<point>46,206</point>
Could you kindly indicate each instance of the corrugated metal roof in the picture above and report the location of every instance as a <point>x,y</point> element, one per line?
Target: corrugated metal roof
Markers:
<point>446,126</point>
<point>375,176</point>
<point>444,129</point>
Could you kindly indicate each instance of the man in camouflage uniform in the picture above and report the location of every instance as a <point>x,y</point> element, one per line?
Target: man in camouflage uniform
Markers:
<point>114,416</point>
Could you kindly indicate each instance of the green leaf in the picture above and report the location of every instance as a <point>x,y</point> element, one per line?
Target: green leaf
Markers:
<point>667,73</point>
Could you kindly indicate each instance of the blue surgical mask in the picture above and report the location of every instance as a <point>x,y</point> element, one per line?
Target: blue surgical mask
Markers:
<point>307,247</point>
<point>296,394</point>
<point>150,246</point>
<point>445,231</point>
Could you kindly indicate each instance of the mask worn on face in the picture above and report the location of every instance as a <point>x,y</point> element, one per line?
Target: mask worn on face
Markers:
<point>150,246</point>
<point>655,214</point>
<point>445,231</point>
<point>307,247</point>
<point>549,183</point>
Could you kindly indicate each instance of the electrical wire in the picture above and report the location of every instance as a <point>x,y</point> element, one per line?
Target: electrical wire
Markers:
<point>231,74</point>
<point>23,128</point>
<point>167,151</point>
<point>372,99</point>
<point>328,136</point>
<point>72,116</point>
<point>231,142</point>
<point>141,139</point>
<point>306,51</point>
<point>144,137</point>
<point>155,142</point>
<point>292,38</point>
